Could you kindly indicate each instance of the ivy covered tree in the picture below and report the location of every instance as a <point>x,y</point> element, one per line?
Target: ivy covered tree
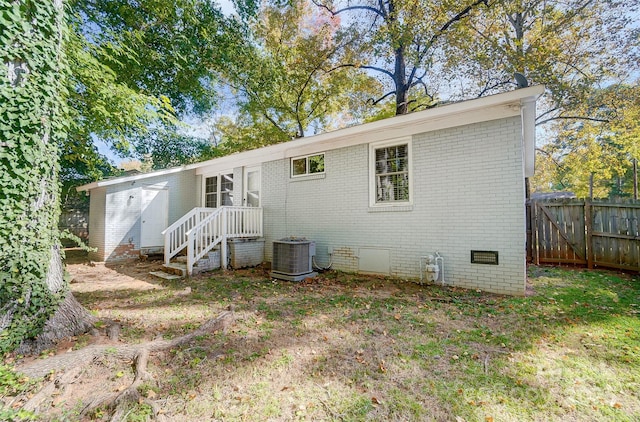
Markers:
<point>36,305</point>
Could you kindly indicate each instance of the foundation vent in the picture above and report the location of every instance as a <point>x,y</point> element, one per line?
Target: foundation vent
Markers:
<point>484,257</point>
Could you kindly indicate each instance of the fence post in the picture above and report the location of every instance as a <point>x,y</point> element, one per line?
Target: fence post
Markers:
<point>588,224</point>
<point>535,251</point>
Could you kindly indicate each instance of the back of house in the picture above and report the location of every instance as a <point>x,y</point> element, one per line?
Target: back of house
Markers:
<point>380,198</point>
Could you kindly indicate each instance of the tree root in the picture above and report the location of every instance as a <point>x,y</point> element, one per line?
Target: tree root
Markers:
<point>69,365</point>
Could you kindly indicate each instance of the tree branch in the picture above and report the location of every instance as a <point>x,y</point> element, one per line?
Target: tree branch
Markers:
<point>592,119</point>
<point>459,16</point>
<point>488,86</point>
<point>374,102</point>
<point>337,12</point>
<point>357,66</point>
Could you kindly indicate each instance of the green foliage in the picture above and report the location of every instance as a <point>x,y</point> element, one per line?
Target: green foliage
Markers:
<point>66,234</point>
<point>10,382</point>
<point>165,147</point>
<point>31,126</point>
<point>289,79</point>
<point>160,47</point>
<point>134,69</point>
<point>568,46</point>
<point>402,41</point>
<point>17,415</point>
<point>140,413</point>
<point>603,146</point>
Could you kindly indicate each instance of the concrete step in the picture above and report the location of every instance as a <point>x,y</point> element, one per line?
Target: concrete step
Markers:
<point>176,268</point>
<point>165,276</point>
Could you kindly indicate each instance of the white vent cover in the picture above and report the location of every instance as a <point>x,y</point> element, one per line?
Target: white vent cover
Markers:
<point>292,259</point>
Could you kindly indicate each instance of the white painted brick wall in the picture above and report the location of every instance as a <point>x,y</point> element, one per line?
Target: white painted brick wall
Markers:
<point>468,194</point>
<point>246,252</point>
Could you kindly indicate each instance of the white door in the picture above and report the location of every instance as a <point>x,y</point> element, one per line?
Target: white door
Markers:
<point>155,214</point>
<point>251,194</point>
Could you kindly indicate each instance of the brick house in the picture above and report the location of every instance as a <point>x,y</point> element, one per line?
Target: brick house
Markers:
<point>375,198</point>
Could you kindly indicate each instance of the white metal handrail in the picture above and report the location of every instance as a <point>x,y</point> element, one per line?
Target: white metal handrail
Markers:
<point>175,236</point>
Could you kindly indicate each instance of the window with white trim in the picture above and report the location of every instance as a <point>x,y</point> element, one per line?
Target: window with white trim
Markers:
<point>390,173</point>
<point>309,164</point>
<point>218,190</point>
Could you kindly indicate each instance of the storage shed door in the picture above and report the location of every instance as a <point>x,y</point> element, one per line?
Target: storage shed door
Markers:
<point>155,213</point>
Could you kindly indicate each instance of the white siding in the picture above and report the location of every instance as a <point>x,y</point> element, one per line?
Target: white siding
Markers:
<point>122,210</point>
<point>97,223</point>
<point>468,194</point>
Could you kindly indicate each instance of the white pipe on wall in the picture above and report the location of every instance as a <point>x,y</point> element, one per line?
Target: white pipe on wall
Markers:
<point>528,114</point>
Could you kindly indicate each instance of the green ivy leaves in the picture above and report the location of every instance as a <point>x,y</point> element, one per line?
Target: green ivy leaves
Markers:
<point>31,122</point>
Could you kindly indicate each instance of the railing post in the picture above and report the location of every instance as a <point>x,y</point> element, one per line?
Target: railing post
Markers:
<point>190,253</point>
<point>223,243</point>
<point>167,246</point>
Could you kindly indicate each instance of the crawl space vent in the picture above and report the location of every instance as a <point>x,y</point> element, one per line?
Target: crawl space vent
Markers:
<point>484,257</point>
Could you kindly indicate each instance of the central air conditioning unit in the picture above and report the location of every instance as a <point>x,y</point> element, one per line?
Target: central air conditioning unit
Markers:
<point>293,259</point>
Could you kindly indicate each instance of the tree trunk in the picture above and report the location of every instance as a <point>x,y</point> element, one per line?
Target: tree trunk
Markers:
<point>400,76</point>
<point>70,319</point>
<point>36,307</point>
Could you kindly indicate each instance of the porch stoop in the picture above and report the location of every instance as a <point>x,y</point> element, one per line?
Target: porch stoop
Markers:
<point>178,269</point>
<point>165,276</point>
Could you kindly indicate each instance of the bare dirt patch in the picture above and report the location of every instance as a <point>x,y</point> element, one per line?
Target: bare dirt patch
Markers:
<point>88,276</point>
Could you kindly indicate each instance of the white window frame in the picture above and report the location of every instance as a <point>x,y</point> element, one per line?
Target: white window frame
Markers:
<point>372,172</point>
<point>306,157</point>
<point>218,186</point>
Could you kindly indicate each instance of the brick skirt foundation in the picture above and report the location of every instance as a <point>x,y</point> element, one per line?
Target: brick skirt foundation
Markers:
<point>246,252</point>
<point>122,252</point>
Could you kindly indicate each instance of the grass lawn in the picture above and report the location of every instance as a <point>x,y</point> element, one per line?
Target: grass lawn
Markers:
<point>352,348</point>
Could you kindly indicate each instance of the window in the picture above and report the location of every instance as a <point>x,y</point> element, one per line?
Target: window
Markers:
<point>218,190</point>
<point>211,192</point>
<point>226,189</point>
<point>310,164</point>
<point>390,172</point>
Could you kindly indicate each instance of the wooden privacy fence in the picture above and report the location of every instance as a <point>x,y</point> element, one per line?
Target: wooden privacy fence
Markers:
<point>579,232</point>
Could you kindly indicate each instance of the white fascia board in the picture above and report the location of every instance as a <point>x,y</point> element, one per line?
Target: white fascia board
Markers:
<point>492,107</point>
<point>456,114</point>
<point>240,159</point>
<point>125,179</point>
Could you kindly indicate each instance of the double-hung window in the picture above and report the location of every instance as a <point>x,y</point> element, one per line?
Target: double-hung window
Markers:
<point>390,173</point>
<point>218,190</point>
<point>307,165</point>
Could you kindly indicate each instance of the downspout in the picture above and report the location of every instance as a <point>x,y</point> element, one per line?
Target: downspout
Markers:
<point>528,115</point>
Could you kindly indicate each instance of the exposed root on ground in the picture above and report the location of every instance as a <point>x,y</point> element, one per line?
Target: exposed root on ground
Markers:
<point>65,369</point>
